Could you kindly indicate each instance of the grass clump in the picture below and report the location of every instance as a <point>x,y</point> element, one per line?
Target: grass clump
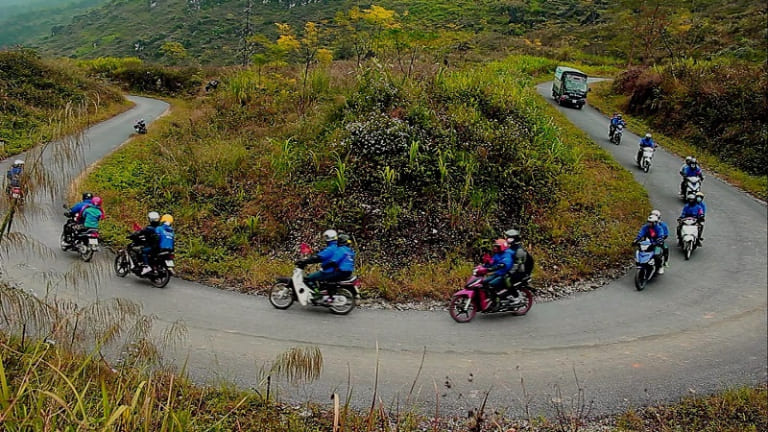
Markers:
<point>34,92</point>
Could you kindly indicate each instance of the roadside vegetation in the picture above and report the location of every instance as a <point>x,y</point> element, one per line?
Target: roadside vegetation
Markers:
<point>422,170</point>
<point>36,93</point>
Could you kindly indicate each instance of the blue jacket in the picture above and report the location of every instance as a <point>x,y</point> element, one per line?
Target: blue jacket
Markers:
<point>77,208</point>
<point>691,171</point>
<point>326,257</point>
<point>692,211</point>
<point>345,259</point>
<point>647,142</point>
<point>703,206</point>
<point>14,175</point>
<point>501,262</point>
<point>663,228</point>
<point>165,236</point>
<point>615,121</point>
<point>655,234</point>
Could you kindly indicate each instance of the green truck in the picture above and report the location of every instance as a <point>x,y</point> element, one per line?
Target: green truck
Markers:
<point>570,86</point>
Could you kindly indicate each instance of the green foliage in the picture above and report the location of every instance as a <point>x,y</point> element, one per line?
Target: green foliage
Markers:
<point>32,93</point>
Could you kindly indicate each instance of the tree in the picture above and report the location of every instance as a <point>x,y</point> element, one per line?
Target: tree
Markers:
<point>173,51</point>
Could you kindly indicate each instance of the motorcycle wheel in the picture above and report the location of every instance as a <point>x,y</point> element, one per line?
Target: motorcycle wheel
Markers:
<point>281,295</point>
<point>640,279</point>
<point>646,167</point>
<point>345,306</point>
<point>688,249</point>
<point>528,302</point>
<point>162,279</point>
<point>618,140</point>
<point>62,243</point>
<point>462,308</point>
<point>87,255</point>
<point>122,266</point>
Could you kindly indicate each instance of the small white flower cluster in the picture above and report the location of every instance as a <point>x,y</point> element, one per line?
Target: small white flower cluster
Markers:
<point>378,135</point>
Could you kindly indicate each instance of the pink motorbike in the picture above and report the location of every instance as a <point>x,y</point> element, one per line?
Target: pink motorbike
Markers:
<point>477,296</point>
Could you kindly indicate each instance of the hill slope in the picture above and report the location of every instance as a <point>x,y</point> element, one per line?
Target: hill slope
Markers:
<point>22,21</point>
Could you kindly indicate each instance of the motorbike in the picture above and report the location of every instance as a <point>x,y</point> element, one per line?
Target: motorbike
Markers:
<point>339,296</point>
<point>692,185</point>
<point>617,132</point>
<point>476,296</point>
<point>140,128</point>
<point>85,242</point>
<point>689,236</point>
<point>646,262</point>
<point>645,160</point>
<point>129,260</point>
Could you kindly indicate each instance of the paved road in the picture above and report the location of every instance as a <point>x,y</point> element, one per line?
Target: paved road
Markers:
<point>701,327</point>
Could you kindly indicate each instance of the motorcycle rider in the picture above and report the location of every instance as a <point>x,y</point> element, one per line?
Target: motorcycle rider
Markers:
<point>140,125</point>
<point>652,232</point>
<point>522,264</point>
<point>330,260</point>
<point>691,209</point>
<point>664,228</point>
<point>690,169</point>
<point>14,175</point>
<point>74,220</point>
<point>616,120</point>
<point>165,234</point>
<point>501,263</point>
<point>148,240</point>
<point>700,200</point>
<point>646,141</point>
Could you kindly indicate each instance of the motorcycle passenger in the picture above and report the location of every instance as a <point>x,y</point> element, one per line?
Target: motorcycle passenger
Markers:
<point>165,234</point>
<point>690,169</point>
<point>14,175</point>
<point>330,265</point>
<point>665,234</point>
<point>700,200</point>
<point>74,220</point>
<point>652,232</point>
<point>92,214</point>
<point>522,264</point>
<point>501,263</point>
<point>616,120</point>
<point>345,257</point>
<point>148,240</point>
<point>646,141</point>
<point>691,209</point>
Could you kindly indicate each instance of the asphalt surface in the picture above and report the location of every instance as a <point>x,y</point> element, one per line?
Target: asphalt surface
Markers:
<point>699,328</point>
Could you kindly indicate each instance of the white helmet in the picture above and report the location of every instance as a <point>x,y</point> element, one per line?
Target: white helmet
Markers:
<point>153,216</point>
<point>653,218</point>
<point>657,213</point>
<point>330,235</point>
<point>513,236</point>
<point>18,162</point>
<point>648,135</point>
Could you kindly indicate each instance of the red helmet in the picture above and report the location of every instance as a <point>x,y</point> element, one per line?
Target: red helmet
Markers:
<point>96,201</point>
<point>501,244</point>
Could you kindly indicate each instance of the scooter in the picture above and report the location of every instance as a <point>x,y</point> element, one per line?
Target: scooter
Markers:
<point>616,137</point>
<point>646,262</point>
<point>339,296</point>
<point>476,296</point>
<point>645,160</point>
<point>140,127</point>
<point>85,242</point>
<point>692,185</point>
<point>689,236</point>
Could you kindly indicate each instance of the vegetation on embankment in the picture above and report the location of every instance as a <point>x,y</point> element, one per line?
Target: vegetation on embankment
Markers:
<point>422,170</point>
<point>713,112</point>
<point>36,93</point>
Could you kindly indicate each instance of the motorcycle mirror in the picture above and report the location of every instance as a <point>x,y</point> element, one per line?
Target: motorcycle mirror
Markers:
<point>64,206</point>
<point>136,227</point>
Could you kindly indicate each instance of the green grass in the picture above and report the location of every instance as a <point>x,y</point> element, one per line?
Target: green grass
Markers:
<point>605,100</point>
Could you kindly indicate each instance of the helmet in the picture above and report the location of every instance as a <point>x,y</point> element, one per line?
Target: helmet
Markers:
<point>513,236</point>
<point>18,162</point>
<point>330,235</point>
<point>153,216</point>
<point>648,135</point>
<point>501,244</point>
<point>618,116</point>
<point>166,219</point>
<point>688,159</point>
<point>691,198</point>
<point>694,161</point>
<point>344,239</point>
<point>699,196</point>
<point>652,218</point>
<point>87,196</point>
<point>656,213</point>
<point>96,201</point>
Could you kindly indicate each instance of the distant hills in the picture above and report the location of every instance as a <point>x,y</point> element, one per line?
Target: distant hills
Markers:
<point>24,20</point>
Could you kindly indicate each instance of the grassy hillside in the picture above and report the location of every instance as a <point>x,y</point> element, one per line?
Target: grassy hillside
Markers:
<point>26,20</point>
<point>211,31</point>
<point>423,172</point>
<point>35,92</point>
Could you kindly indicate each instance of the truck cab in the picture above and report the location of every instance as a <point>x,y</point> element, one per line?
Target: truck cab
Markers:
<point>570,86</point>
